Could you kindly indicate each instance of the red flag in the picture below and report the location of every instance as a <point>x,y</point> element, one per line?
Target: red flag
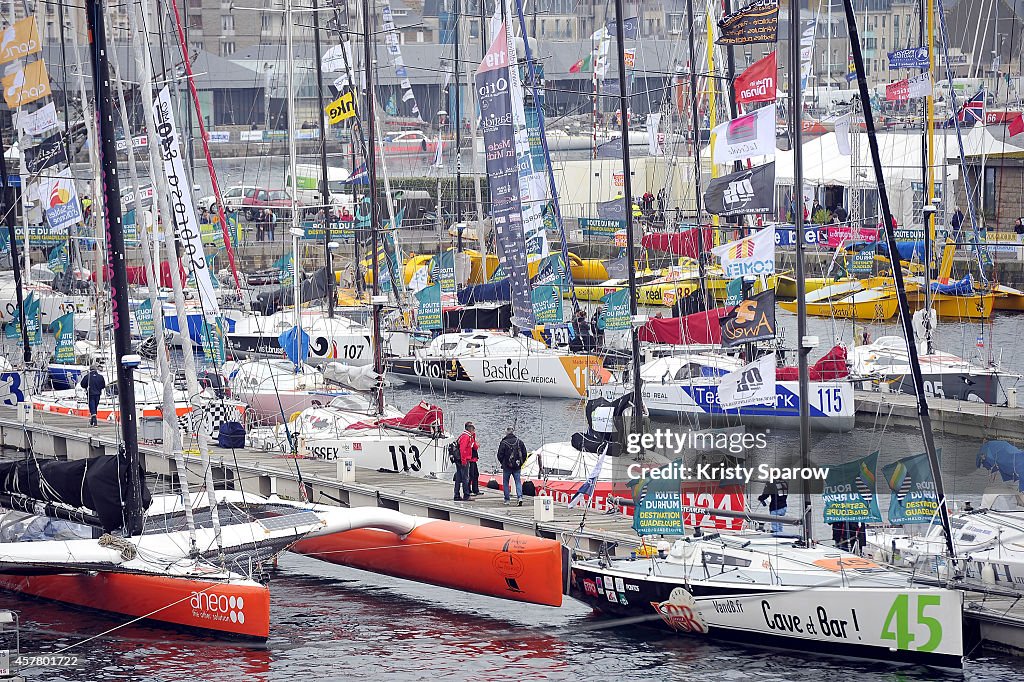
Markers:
<point>758,82</point>
<point>1016,126</point>
<point>898,91</point>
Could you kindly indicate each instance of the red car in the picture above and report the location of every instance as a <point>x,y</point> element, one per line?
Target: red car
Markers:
<point>257,198</point>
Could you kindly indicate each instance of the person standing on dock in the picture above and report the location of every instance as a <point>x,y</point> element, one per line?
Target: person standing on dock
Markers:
<point>778,492</point>
<point>93,383</point>
<point>467,446</point>
<point>511,456</point>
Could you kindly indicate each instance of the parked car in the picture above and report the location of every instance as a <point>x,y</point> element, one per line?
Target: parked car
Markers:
<point>257,199</point>
<point>409,142</point>
<point>232,198</point>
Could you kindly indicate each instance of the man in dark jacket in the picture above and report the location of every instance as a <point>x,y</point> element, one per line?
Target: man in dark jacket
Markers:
<point>511,455</point>
<point>93,383</point>
<point>467,446</point>
<point>778,491</point>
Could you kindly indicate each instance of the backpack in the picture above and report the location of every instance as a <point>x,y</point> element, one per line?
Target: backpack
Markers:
<point>231,435</point>
<point>517,457</point>
<point>454,452</point>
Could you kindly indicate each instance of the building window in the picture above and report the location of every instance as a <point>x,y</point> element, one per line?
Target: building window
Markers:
<point>989,198</point>
<point>558,30</point>
<point>419,36</point>
<point>265,22</point>
<point>227,49</point>
<point>227,22</point>
<point>197,22</point>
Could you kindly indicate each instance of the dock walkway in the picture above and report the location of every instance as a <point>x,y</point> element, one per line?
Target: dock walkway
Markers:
<point>949,417</point>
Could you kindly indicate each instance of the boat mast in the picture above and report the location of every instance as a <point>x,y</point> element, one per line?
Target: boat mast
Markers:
<point>901,293</point>
<point>458,120</point>
<point>19,292</point>
<point>371,174</point>
<point>695,128</point>
<point>803,348</point>
<point>325,194</point>
<point>926,9</point>
<point>132,497</point>
<point>627,188</point>
<point>293,182</point>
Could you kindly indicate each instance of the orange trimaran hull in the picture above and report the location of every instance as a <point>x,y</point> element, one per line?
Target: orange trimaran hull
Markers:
<point>456,555</point>
<point>240,610</point>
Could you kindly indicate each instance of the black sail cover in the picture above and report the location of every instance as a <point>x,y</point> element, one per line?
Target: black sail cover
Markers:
<point>94,484</point>
<point>314,288</point>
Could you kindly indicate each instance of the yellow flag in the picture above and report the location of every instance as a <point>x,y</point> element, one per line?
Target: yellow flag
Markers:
<point>27,85</point>
<point>19,40</point>
<point>340,109</point>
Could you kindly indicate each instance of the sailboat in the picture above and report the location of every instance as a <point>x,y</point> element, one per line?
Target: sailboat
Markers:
<point>778,590</point>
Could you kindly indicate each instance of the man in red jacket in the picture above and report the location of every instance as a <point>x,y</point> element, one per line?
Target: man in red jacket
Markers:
<point>467,449</point>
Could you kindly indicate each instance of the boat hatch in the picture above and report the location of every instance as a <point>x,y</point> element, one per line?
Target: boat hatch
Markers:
<point>725,560</point>
<point>302,518</point>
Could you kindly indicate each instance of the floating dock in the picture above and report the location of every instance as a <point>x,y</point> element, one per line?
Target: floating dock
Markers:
<point>876,409</point>
<point>1000,618</point>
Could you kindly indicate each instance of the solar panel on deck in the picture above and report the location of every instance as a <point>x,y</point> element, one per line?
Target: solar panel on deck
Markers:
<point>302,518</point>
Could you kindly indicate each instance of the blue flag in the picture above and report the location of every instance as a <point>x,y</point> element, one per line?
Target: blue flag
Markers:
<point>64,331</point>
<point>428,308</point>
<point>849,493</point>
<point>616,310</point>
<point>144,318</point>
<point>59,259</point>
<point>286,266</point>
<point>295,343</point>
<point>913,498</point>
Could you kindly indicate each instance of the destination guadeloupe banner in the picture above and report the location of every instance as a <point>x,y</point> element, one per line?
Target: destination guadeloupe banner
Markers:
<point>428,309</point>
<point>849,493</point>
<point>913,497</point>
<point>658,506</point>
<point>616,310</point>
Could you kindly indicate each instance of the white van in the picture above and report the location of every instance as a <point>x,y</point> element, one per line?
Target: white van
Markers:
<point>307,183</point>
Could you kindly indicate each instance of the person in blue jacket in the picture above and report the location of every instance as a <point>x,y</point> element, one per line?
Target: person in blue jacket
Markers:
<point>93,383</point>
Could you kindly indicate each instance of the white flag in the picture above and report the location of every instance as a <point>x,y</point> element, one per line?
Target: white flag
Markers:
<point>920,86</point>
<point>745,137</point>
<point>653,140</point>
<point>39,121</point>
<point>418,282</point>
<point>753,255</point>
<point>439,153</point>
<point>843,134</point>
<point>335,58</point>
<point>184,221</point>
<point>341,82</point>
<point>752,384</point>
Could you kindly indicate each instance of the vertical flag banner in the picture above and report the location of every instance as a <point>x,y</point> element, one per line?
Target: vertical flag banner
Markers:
<point>144,318</point>
<point>27,85</point>
<point>64,332</point>
<point>443,273</point>
<point>285,265</point>
<point>752,384</point>
<point>496,123</point>
<point>746,192</point>
<point>392,42</point>
<point>759,82</point>
<point>42,120</point>
<point>20,39</point>
<point>654,138</point>
<point>751,320</point>
<point>59,200</point>
<point>913,498</point>
<point>849,493</point>
<point>745,136</point>
<point>185,221</point>
<point>547,304</point>
<point>758,22</point>
<point>428,307</point>
<point>753,255</point>
<point>842,134</point>
<point>616,310</point>
<point>13,329</point>
<point>657,506</point>
<point>59,259</point>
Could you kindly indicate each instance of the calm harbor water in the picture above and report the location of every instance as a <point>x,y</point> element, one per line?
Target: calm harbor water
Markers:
<point>332,623</point>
